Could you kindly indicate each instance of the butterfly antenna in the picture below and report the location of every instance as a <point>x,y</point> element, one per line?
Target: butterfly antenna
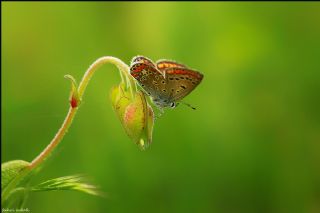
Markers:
<point>188,105</point>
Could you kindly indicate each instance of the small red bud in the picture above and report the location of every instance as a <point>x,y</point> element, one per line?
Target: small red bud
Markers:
<point>73,102</point>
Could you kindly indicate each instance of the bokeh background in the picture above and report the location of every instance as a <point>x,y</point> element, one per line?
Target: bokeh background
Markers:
<point>252,145</point>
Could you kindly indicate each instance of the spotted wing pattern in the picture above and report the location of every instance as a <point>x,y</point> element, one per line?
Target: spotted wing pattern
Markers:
<point>181,81</point>
<point>150,79</point>
<point>166,81</point>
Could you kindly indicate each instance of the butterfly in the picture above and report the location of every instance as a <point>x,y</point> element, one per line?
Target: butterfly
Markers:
<point>166,81</point>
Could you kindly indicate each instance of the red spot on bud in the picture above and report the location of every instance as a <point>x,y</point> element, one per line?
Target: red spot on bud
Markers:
<point>73,102</point>
<point>130,113</point>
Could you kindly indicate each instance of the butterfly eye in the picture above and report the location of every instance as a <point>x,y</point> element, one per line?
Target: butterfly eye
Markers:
<point>173,105</point>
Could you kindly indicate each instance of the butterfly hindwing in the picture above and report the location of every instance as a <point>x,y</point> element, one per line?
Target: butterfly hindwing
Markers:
<point>181,81</point>
<point>164,64</point>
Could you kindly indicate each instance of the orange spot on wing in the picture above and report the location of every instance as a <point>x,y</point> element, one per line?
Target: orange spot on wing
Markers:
<point>134,74</point>
<point>138,69</point>
<point>185,72</point>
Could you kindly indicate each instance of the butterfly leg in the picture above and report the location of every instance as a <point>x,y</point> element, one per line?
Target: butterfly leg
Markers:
<point>161,112</point>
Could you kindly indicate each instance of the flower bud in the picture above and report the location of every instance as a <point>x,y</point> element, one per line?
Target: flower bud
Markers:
<point>135,114</point>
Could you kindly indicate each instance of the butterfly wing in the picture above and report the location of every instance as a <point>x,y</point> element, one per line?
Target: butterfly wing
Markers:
<point>181,81</point>
<point>166,81</point>
<point>142,59</point>
<point>164,64</point>
<point>150,79</point>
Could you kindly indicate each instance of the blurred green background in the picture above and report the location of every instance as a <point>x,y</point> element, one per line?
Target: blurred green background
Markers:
<point>252,145</point>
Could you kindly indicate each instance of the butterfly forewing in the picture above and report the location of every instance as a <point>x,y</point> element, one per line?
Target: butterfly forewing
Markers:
<point>142,59</point>
<point>150,79</point>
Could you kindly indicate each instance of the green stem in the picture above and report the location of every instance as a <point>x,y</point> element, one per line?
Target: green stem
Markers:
<point>124,72</point>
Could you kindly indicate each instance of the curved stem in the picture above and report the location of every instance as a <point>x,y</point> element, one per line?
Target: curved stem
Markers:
<point>57,138</point>
<point>124,73</point>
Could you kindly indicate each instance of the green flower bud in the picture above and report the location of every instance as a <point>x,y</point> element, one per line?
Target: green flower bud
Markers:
<point>135,114</point>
